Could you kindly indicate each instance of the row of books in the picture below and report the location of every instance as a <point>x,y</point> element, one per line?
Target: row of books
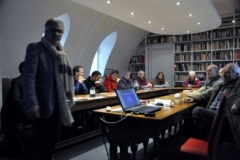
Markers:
<point>199,46</point>
<point>237,31</point>
<point>138,59</point>
<point>183,76</point>
<point>223,33</point>
<point>203,35</point>
<point>182,67</point>
<point>222,44</point>
<point>237,43</point>
<point>202,56</point>
<point>183,47</point>
<point>200,66</point>
<point>183,57</point>
<point>136,68</point>
<point>222,55</point>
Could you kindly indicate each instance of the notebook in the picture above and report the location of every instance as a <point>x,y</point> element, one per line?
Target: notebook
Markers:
<point>130,102</point>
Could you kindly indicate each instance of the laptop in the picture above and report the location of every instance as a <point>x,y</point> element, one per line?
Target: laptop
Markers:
<point>130,102</point>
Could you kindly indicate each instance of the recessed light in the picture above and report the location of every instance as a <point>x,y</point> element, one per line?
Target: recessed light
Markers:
<point>162,28</point>
<point>178,3</point>
<point>149,22</point>
<point>132,13</point>
<point>187,31</point>
<point>233,21</point>
<point>198,23</point>
<point>190,14</point>
<point>108,1</point>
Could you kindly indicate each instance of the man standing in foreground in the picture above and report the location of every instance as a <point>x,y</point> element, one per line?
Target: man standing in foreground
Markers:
<point>48,87</point>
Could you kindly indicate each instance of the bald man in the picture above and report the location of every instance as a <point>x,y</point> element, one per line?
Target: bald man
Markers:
<point>213,78</point>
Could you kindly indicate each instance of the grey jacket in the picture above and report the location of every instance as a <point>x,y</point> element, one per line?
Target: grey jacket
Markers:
<point>208,86</point>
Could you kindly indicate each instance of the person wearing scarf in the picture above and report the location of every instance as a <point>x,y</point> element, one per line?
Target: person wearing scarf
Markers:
<point>192,81</point>
<point>48,87</point>
<point>142,81</point>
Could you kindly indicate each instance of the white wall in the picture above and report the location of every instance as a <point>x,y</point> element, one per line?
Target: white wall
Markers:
<point>23,22</point>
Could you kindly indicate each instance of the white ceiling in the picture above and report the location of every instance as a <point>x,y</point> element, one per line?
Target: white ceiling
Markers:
<point>162,14</point>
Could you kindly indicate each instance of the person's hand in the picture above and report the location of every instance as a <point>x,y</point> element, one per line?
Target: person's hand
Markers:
<point>81,79</point>
<point>189,85</point>
<point>235,109</point>
<point>149,85</point>
<point>187,100</point>
<point>35,113</point>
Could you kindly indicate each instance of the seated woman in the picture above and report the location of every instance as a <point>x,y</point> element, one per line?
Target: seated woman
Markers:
<point>192,81</point>
<point>141,80</point>
<point>125,81</point>
<point>160,81</point>
<point>110,82</point>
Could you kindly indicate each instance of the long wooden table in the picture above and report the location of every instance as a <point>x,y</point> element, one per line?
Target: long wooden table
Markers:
<point>107,99</point>
<point>138,128</point>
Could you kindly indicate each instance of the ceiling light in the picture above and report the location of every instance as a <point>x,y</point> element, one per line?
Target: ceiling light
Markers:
<point>149,22</point>
<point>162,28</point>
<point>132,13</point>
<point>198,23</point>
<point>108,1</point>
<point>233,21</point>
<point>190,14</point>
<point>178,3</point>
<point>187,31</point>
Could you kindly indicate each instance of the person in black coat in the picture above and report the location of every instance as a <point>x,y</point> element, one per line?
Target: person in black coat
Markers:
<point>12,115</point>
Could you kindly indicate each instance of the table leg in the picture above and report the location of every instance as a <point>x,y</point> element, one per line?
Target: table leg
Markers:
<point>123,152</point>
<point>113,151</point>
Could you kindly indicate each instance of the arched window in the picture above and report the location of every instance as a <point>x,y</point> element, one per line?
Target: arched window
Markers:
<point>103,53</point>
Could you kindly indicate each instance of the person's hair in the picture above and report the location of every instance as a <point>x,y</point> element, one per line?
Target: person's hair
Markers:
<point>21,67</point>
<point>127,72</point>
<point>192,72</point>
<point>163,76</point>
<point>76,69</point>
<point>52,21</point>
<point>141,71</point>
<point>215,68</point>
<point>115,71</point>
<point>95,73</point>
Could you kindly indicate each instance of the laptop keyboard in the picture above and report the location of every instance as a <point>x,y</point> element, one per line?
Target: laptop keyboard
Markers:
<point>145,109</point>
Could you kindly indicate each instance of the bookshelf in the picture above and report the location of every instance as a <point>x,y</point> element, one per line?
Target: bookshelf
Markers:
<point>137,63</point>
<point>219,46</point>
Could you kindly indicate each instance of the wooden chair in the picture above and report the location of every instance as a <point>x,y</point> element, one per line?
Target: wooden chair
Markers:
<point>192,147</point>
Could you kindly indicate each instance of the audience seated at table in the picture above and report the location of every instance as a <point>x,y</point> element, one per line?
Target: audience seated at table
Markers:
<point>160,81</point>
<point>192,81</point>
<point>142,81</point>
<point>79,84</point>
<point>110,82</point>
<point>204,116</point>
<point>125,81</point>
<point>93,81</point>
<point>212,79</point>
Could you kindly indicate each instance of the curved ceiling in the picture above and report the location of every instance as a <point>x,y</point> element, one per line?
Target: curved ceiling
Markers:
<point>174,19</point>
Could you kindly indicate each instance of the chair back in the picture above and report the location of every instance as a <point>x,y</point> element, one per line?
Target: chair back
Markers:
<point>216,127</point>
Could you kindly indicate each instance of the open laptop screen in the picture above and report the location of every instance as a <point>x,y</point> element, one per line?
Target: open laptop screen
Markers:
<point>128,98</point>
